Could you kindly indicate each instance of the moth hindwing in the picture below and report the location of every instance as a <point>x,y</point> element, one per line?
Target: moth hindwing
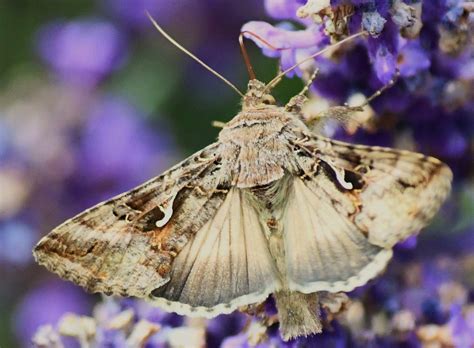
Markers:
<point>270,208</point>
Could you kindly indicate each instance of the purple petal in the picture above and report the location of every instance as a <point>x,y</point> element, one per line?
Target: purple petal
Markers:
<point>383,52</point>
<point>297,44</point>
<point>283,37</point>
<point>412,59</point>
<point>384,64</point>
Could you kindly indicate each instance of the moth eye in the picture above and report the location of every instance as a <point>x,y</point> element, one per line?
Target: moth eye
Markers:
<point>268,100</point>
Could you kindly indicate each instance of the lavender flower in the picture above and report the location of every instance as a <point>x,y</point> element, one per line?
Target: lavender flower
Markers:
<point>394,45</point>
<point>377,17</point>
<point>121,324</point>
<point>83,51</point>
<point>58,296</point>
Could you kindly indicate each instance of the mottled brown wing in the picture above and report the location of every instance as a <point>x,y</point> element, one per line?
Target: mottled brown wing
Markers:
<point>394,192</point>
<point>126,245</point>
<point>350,205</point>
<point>227,264</point>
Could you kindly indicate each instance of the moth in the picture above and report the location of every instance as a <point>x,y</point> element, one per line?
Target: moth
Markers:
<point>271,207</point>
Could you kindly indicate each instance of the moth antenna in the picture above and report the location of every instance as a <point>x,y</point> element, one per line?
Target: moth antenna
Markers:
<point>243,49</point>
<point>174,42</point>
<point>378,92</point>
<point>272,83</point>
<point>310,81</point>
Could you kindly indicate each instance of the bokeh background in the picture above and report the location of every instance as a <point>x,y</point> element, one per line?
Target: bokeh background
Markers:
<point>93,101</point>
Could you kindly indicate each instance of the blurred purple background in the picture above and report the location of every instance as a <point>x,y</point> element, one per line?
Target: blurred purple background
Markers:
<point>94,101</point>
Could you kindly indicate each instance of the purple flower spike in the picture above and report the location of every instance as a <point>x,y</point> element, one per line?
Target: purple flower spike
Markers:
<point>383,52</point>
<point>82,52</point>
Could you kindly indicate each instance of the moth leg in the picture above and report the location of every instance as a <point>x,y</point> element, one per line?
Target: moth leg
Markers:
<point>350,117</point>
<point>296,103</point>
<point>344,115</point>
<point>309,82</point>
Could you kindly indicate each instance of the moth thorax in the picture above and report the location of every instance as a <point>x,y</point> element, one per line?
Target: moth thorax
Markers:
<point>257,96</point>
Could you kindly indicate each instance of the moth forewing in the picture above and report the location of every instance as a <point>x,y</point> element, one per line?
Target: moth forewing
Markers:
<point>121,246</point>
<point>269,208</point>
<point>401,190</point>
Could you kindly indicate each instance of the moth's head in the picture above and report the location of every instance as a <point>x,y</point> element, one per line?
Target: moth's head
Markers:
<point>257,96</point>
